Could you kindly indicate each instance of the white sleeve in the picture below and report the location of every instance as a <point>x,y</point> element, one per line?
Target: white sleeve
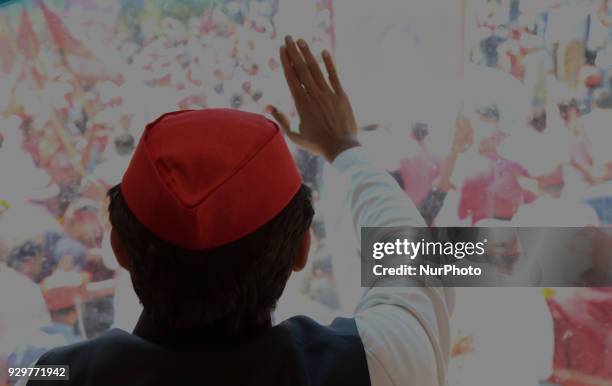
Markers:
<point>405,330</point>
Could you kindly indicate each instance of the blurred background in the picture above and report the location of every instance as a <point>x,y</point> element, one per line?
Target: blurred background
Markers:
<point>531,79</point>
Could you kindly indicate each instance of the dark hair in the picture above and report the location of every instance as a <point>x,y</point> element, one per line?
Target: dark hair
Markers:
<point>490,111</point>
<point>231,289</point>
<point>590,56</point>
<point>565,106</point>
<point>23,252</point>
<point>124,143</point>
<point>420,130</point>
<point>538,121</point>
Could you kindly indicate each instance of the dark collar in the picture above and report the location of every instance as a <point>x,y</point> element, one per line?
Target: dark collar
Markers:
<point>147,329</point>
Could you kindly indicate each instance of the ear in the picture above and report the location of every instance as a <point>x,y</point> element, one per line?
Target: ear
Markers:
<point>302,257</point>
<point>119,250</point>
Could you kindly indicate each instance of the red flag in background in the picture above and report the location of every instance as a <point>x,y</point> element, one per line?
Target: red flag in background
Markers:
<point>27,42</point>
<point>61,35</point>
<point>7,51</point>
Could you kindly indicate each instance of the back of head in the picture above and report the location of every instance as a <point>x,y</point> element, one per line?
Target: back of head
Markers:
<point>420,131</point>
<point>124,143</point>
<point>211,213</point>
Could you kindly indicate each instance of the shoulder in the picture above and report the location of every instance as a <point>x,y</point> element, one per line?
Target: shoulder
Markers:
<point>406,334</point>
<point>304,328</point>
<point>72,353</point>
<point>106,354</point>
<point>326,350</point>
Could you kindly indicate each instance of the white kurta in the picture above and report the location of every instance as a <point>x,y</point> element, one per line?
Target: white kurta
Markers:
<point>405,330</point>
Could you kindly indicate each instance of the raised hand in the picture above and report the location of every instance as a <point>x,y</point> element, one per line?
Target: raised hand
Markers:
<point>327,123</point>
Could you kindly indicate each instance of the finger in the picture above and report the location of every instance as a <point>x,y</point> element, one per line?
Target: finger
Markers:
<point>313,66</point>
<point>300,66</point>
<point>285,126</point>
<point>280,117</point>
<point>332,73</point>
<point>297,91</point>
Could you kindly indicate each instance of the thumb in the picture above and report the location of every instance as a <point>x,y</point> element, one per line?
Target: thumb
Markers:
<point>281,118</point>
<point>285,125</point>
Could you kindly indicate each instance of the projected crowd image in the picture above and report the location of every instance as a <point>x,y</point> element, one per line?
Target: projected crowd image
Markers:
<point>80,79</point>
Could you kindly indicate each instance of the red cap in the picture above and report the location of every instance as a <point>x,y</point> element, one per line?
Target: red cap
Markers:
<point>200,179</point>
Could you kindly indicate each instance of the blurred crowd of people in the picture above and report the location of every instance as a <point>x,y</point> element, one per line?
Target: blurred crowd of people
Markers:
<point>549,166</point>
<point>513,166</point>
